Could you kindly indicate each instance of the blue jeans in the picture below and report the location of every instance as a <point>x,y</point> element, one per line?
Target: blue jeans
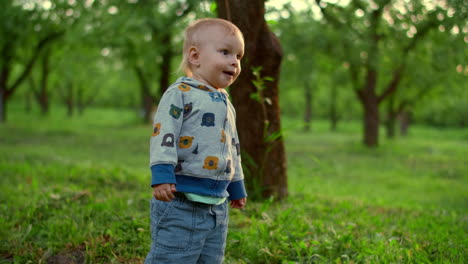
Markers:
<point>187,232</point>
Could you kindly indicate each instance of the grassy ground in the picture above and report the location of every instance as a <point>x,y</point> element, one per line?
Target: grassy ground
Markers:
<point>77,189</point>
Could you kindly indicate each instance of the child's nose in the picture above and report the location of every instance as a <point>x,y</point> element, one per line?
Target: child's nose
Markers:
<point>234,61</point>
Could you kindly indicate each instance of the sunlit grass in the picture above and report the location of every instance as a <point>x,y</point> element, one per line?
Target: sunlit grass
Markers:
<point>79,186</point>
<point>410,172</point>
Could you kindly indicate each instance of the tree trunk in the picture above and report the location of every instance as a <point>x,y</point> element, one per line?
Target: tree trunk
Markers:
<point>6,58</point>
<point>145,93</point>
<point>2,104</point>
<point>43,96</point>
<point>166,63</point>
<point>405,121</point>
<point>370,104</point>
<point>4,76</point>
<point>259,124</point>
<point>371,123</point>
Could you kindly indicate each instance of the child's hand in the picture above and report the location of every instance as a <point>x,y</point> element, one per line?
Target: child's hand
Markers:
<point>164,192</point>
<point>239,204</point>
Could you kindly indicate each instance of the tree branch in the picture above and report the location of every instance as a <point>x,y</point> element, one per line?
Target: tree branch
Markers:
<point>397,74</point>
<point>372,62</point>
<point>6,59</point>
<point>40,45</point>
<point>32,84</point>
<point>408,102</point>
<point>393,84</point>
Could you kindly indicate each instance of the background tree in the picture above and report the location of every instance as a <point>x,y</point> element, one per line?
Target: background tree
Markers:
<point>25,32</point>
<point>119,53</point>
<point>432,66</point>
<point>370,30</point>
<point>141,34</point>
<point>255,94</point>
<point>81,72</point>
<point>40,87</point>
<point>313,70</point>
<point>297,33</point>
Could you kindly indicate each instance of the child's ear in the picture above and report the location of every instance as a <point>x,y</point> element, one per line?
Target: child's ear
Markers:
<point>194,56</point>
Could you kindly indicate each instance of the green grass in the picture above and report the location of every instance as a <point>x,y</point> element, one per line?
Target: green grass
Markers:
<point>78,188</point>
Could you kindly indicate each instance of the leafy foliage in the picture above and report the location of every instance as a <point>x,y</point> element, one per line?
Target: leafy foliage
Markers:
<point>425,37</point>
<point>104,40</point>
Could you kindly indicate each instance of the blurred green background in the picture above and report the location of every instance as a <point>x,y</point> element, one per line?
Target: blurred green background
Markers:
<point>75,81</point>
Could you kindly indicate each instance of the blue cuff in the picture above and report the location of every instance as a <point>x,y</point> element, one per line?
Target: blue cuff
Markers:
<point>162,173</point>
<point>236,190</point>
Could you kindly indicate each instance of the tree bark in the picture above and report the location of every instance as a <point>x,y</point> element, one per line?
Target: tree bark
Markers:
<point>3,104</point>
<point>366,87</point>
<point>145,93</point>
<point>165,66</point>
<point>43,96</point>
<point>405,121</point>
<point>371,123</point>
<point>67,96</point>
<point>370,104</point>
<point>6,58</point>
<point>259,122</point>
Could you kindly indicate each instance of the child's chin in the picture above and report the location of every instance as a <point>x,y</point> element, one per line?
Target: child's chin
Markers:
<point>224,85</point>
<point>230,82</point>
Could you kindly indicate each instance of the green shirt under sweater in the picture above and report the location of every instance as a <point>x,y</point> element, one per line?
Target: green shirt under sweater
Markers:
<point>205,199</point>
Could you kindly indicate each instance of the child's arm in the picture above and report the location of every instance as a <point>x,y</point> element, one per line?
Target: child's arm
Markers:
<point>163,150</point>
<point>164,192</point>
<point>239,204</point>
<point>236,189</point>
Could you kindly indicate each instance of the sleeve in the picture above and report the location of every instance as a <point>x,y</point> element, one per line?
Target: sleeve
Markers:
<point>166,129</point>
<point>236,188</point>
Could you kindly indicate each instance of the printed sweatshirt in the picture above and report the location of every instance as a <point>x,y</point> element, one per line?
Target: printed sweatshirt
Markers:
<point>195,143</point>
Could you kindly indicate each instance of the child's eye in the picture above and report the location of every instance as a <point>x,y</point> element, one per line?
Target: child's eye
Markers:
<point>225,52</point>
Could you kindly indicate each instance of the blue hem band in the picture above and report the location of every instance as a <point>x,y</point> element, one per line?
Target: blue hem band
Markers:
<point>162,173</point>
<point>236,190</point>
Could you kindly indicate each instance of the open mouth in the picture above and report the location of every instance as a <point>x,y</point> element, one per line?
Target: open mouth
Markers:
<point>230,73</point>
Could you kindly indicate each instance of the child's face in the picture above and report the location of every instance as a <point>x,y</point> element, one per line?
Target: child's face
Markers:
<point>216,61</point>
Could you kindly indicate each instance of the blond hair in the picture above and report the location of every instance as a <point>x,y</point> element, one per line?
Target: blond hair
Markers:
<point>191,37</point>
